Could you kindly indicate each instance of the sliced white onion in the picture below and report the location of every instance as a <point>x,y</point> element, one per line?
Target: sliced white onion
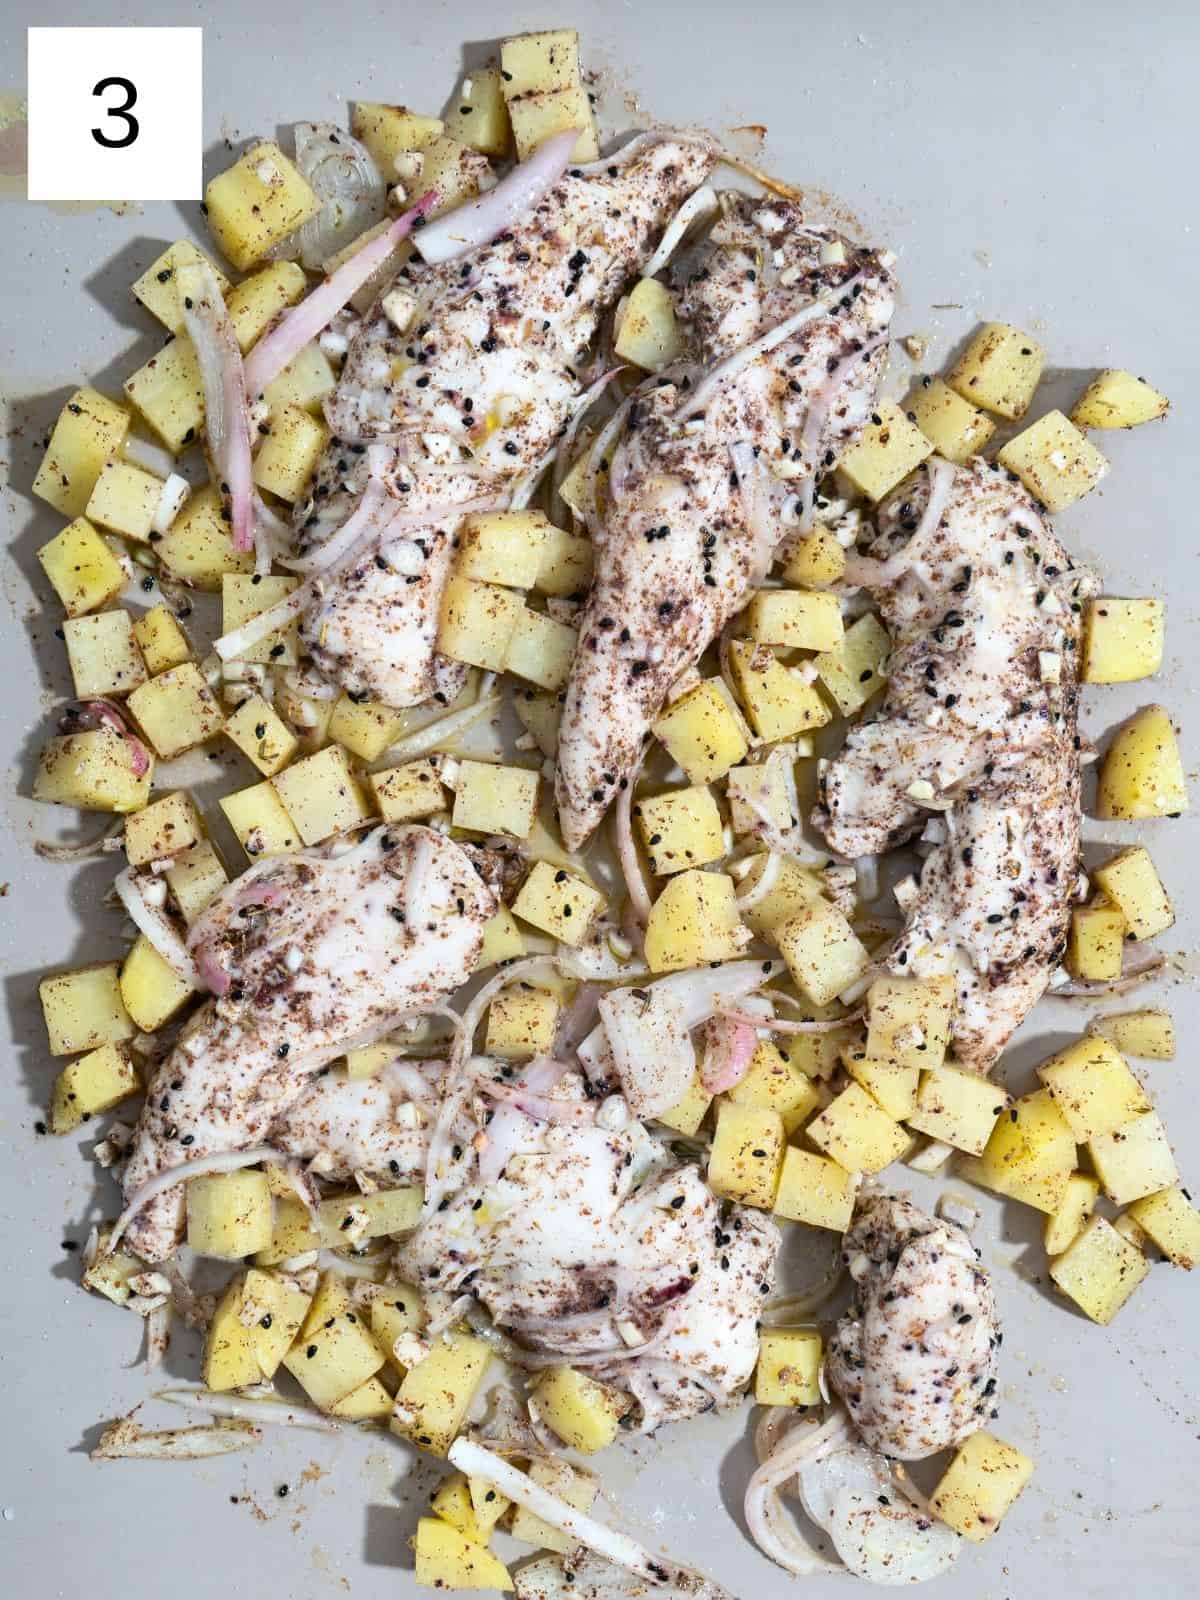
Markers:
<point>158,1334</point>
<point>444,730</point>
<point>771,1528</point>
<point>158,931</point>
<point>232,645</point>
<point>275,1413</point>
<point>341,172</point>
<point>867,573</point>
<point>226,420</point>
<point>184,1172</point>
<point>479,221</point>
<point>627,855</point>
<point>125,1440</point>
<point>767,879</point>
<point>700,205</point>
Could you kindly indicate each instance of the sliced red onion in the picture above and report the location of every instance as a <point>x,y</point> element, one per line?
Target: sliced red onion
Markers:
<point>226,416</point>
<point>157,929</point>
<point>316,311</point>
<point>479,221</point>
<point>729,1046</point>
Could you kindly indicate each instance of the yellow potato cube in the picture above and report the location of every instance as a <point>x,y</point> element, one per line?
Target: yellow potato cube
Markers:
<point>390,131</point>
<point>999,370</point>
<point>96,771</point>
<point>229,1214</point>
<point>288,455</point>
<point>854,672</point>
<point>886,451</point>
<point>694,920</point>
<point>536,115</point>
<point>585,1415</point>
<point>125,500</point>
<point>84,572</point>
<point>747,1154</point>
<point>814,561</point>
<point>478,621</point>
<point>169,393</point>
<point>646,333</point>
<point>540,715</point>
<point>823,953</point>
<point>1173,1223</point>
<point>90,429</point>
<point>357,1217</point>
<point>1116,399</point>
<point>244,597</point>
<point>95,1082</point>
<point>771,1082</point>
<point>158,287</point>
<point>789,1360</point>
<point>1055,462</point>
<point>321,795</point>
<point>161,640</point>
<point>565,568</point>
<point>1133,1159</point>
<point>958,1107</point>
<point>197,549</point>
<point>434,1397</point>
<point>818,1055</point>
<point>1063,1227</point>
<point>488,1504</point>
<point>261,736</point>
<point>800,619</point>
<point>304,384</point>
<point>980,1485</point>
<point>576,1488</point>
<point>370,1402</point>
<point>503,547</point>
<point>1148,1034</point>
<point>453,169</point>
<point>1031,1154</point>
<point>104,657</point>
<point>815,1191</point>
<point>704,732</point>
<point>908,1020</point>
<point>680,829</point>
<point>176,710</point>
<point>195,877</point>
<point>1122,640</point>
<point>691,1111</point>
<point>1099,1270</point>
<point>452,1502</point>
<point>857,1133</point>
<point>163,829</point>
<point>1131,882</point>
<point>1141,775</point>
<point>954,427</point>
<point>541,650</point>
<point>256,203</point>
<point>363,727</point>
<point>891,1084</point>
<point>397,1309</point>
<point>759,793</point>
<point>109,1273</point>
<point>502,940</point>
<point>292,1234</point>
<point>540,61</point>
<point>334,1354</point>
<point>480,115</point>
<point>230,1356</point>
<point>447,1559</point>
<point>258,818</point>
<point>276,1310</point>
<point>151,989</point>
<point>403,794</point>
<point>558,902</point>
<point>489,798</point>
<point>254,303</point>
<point>521,1023</point>
<point>778,701</point>
<point>1092,1087</point>
<point>1095,943</point>
<point>83,1009</point>
<point>794,888</point>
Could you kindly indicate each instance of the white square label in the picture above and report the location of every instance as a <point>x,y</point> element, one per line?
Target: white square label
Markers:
<point>115,113</point>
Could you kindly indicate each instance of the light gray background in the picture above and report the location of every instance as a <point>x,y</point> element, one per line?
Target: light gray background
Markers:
<point>1033,163</point>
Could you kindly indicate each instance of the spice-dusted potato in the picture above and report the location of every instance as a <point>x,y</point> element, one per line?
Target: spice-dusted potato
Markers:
<point>1133,1159</point>
<point>1116,399</point>
<point>853,672</point>
<point>789,1364</point>
<point>229,1214</point>
<point>261,735</point>
<point>1031,1153</point>
<point>161,640</point>
<point>680,829</point>
<point>704,732</point>
<point>321,795</point>
<point>980,1485</point>
<point>168,392</point>
<point>334,1353</point>
<point>886,451</point>
<point>1095,941</point>
<point>503,547</point>
<point>747,1154</point>
<point>363,727</point>
<point>857,1133</point>
<point>521,1023</point>
<point>105,660</point>
<point>95,771</point>
<point>999,370</point>
<point>815,1190</point>
<point>432,1401</point>
<point>197,549</point>
<point>958,1107</point>
<point>647,334</point>
<point>541,650</point>
<point>694,920</point>
<point>1149,1034</point>
<point>583,1413</point>
<point>1055,462</point>
<point>287,457</point>
<point>1065,1225</point>
<point>1172,1222</point>
<point>259,819</point>
<point>1122,640</point>
<point>176,710</point>
<point>447,1559</point>
<point>477,623</point>
<point>83,1009</point>
<point>95,1082</point>
<point>492,798</point>
<point>773,1083</point>
<point>152,990</point>
<point>257,202</point>
<point>798,618</point>
<point>90,430</point>
<point>1093,1087</point>
<point>954,427</point>
<point>1131,882</point>
<point>1099,1270</point>
<point>85,572</point>
<point>558,902</point>
<point>1141,774</point>
<point>822,951</point>
<point>779,701</point>
<point>258,299</point>
<point>479,116</point>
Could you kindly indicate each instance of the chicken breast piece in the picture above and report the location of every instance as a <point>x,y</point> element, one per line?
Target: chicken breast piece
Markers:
<point>460,381</point>
<point>978,730</point>
<point>594,1247</point>
<point>378,1125</point>
<point>307,955</point>
<point>715,465</point>
<point>915,1361</point>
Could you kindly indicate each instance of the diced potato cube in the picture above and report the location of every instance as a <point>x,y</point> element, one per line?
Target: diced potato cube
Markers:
<point>276,1309</point>
<point>1130,881</point>
<point>854,672</point>
<point>565,568</point>
<point>1065,1225</point>
<point>229,1214</point>
<point>521,1023</point>
<point>478,621</point>
<point>558,903</point>
<point>163,829</point>
<point>96,771</point>
<point>585,1415</point>
<point>195,877</point>
<point>680,829</point>
<point>452,1502</point>
<point>951,424</point>
<point>1116,399</point>
<point>1099,1270</point>
<point>1173,1223</point>
<point>576,1488</point>
<point>303,385</point>
<point>747,1154</point>
<point>176,710</point>
<point>90,429</point>
<point>433,1399</point>
<point>105,660</point>
<point>244,597</point>
<point>161,640</point>
<point>1031,1154</point>
<point>815,1190</point>
<point>85,573</point>
<point>540,715</point>
<point>800,619</point>
<point>158,287</point>
<point>908,1020</point>
<point>286,459</point>
<point>489,798</point>
<point>818,1055</point>
<point>540,61</point>
<point>694,920</point>
<point>397,1309</point>
<point>1133,1159</point>
<point>536,115</point>
<point>256,203</point>
<point>704,732</point>
<point>980,1485</point>
<point>541,649</point>
<point>230,1354</point>
<point>261,735</point>
<point>363,727</point>
<point>110,1271</point>
<point>646,334</point>
<point>169,393</point>
<point>447,1559</point>
<point>370,1402</point>
<point>254,303</point>
<point>794,888</point>
<point>771,1082</point>
<point>197,549</point>
<point>403,794</point>
<point>488,1504</point>
<point>885,452</point>
<point>789,1360</point>
<point>999,370</point>
<point>822,951</point>
<point>1122,640</point>
<point>502,940</point>
<point>480,115</point>
<point>503,547</point>
<point>958,1107</point>
<point>452,168</point>
<point>1055,462</point>
<point>760,793</point>
<point>1148,1034</point>
<point>389,131</point>
<point>334,1354</point>
<point>369,1216</point>
<point>125,499</point>
<point>1141,775</point>
<point>321,795</point>
<point>83,1009</point>
<point>891,1084</point>
<point>1095,942</point>
<point>258,818</point>
<point>816,560</point>
<point>778,700</point>
<point>151,989</point>
<point>292,1234</point>
<point>691,1111</point>
<point>1092,1087</point>
<point>857,1133</point>
<point>95,1082</point>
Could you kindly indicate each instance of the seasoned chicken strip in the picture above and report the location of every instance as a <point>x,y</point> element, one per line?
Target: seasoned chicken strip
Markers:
<point>707,475</point>
<point>307,954</point>
<point>343,1125</point>
<point>593,1247</point>
<point>978,728</point>
<point>464,376</point>
<point>915,1360</point>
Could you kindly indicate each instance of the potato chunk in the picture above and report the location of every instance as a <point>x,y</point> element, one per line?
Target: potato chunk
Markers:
<point>1095,942</point>
<point>779,701</point>
<point>480,115</point>
<point>256,203</point>
<point>478,621</point>
<point>800,619</point>
<point>1133,1159</point>
<point>772,1083</point>
<point>815,560</point>
<point>503,547</point>
<point>815,1190</point>
<point>229,1214</point>
<point>84,1009</point>
<point>321,795</point>
<point>958,1107</point>
<point>747,1154</point>
<point>999,370</point>
<point>853,672</point>
<point>258,818</point>
<point>1031,1154</point>
<point>169,393</point>
<point>152,990</point>
<point>432,1401</point>
<point>1065,1225</point>
<point>857,1133</point>
<point>285,462</point>
<point>694,920</point>
<point>891,1084</point>
<point>908,1020</point>
<point>691,1111</point>
<point>1055,462</point>
<point>95,1082</point>
<point>390,131</point>
<point>96,771</point>
<point>334,1354</point>
<point>521,1023</point>
<point>158,287</point>
<point>1099,1270</point>
<point>886,451</point>
<point>1141,774</point>
<point>1148,1034</point>
<point>1122,640</point>
<point>364,727</point>
<point>541,650</point>
<point>647,334</point>
<point>1116,399</point>
<point>558,902</point>
<point>105,660</point>
<point>680,829</point>
<point>447,1559</point>
<point>789,1360</point>
<point>125,500</point>
<point>161,640</point>
<point>577,1488</point>
<point>197,549</point>
<point>176,710</point>
<point>704,732</point>
<point>261,735</point>
<point>1092,1087</point>
<point>85,572</point>
<point>954,427</point>
<point>490,798</point>
<point>255,302</point>
<point>980,1485</point>
<point>1173,1222</point>
<point>583,1413</point>
<point>822,951</point>
<point>163,829</point>
<point>402,794</point>
<point>1130,880</point>
<point>90,430</point>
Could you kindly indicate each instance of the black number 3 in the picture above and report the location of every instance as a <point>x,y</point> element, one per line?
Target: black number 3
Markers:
<point>122,111</point>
